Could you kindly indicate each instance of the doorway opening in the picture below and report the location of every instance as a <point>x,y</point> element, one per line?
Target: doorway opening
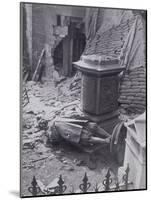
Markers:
<point>69,50</point>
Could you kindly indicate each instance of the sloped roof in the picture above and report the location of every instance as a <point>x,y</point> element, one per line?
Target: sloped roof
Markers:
<point>109,42</point>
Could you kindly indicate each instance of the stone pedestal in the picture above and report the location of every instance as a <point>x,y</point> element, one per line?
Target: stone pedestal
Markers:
<point>99,86</point>
<point>135,152</point>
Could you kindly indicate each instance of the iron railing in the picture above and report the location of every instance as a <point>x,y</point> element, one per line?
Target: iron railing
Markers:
<point>108,184</point>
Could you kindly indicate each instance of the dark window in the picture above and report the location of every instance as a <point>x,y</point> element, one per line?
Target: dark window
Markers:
<point>58,20</point>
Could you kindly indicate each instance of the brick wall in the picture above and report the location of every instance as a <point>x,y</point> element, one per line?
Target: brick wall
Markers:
<point>132,94</point>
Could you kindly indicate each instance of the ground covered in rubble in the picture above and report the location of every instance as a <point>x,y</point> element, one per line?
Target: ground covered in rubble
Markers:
<point>45,161</point>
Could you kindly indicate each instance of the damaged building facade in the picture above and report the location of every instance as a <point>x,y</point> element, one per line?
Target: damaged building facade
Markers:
<point>98,56</point>
<point>61,36</point>
<point>96,31</point>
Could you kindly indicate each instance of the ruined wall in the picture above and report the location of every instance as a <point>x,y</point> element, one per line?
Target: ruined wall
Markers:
<point>112,28</point>
<point>42,18</point>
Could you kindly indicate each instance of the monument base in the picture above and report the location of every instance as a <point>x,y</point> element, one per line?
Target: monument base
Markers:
<point>106,121</point>
<point>101,118</point>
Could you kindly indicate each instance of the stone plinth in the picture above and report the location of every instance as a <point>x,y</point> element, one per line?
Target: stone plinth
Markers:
<point>99,86</point>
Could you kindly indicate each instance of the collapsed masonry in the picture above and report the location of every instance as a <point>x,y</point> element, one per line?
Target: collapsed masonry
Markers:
<point>102,32</point>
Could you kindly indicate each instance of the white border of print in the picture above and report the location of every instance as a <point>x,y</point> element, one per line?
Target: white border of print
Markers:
<point>9,99</point>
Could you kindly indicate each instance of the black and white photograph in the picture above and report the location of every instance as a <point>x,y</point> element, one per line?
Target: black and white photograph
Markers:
<point>82,99</point>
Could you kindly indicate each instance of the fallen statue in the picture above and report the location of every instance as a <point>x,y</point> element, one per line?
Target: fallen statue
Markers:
<point>89,136</point>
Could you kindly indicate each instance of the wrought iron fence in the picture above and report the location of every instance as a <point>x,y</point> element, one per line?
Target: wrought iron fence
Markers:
<point>106,185</point>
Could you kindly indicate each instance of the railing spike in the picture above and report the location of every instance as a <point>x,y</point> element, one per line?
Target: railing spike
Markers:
<point>34,189</point>
<point>61,187</point>
<point>85,185</point>
<point>107,181</point>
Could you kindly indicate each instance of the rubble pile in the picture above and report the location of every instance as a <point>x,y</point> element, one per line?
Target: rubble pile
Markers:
<point>47,102</point>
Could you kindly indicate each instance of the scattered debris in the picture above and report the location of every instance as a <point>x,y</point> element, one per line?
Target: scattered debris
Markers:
<point>80,163</point>
<point>40,159</point>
